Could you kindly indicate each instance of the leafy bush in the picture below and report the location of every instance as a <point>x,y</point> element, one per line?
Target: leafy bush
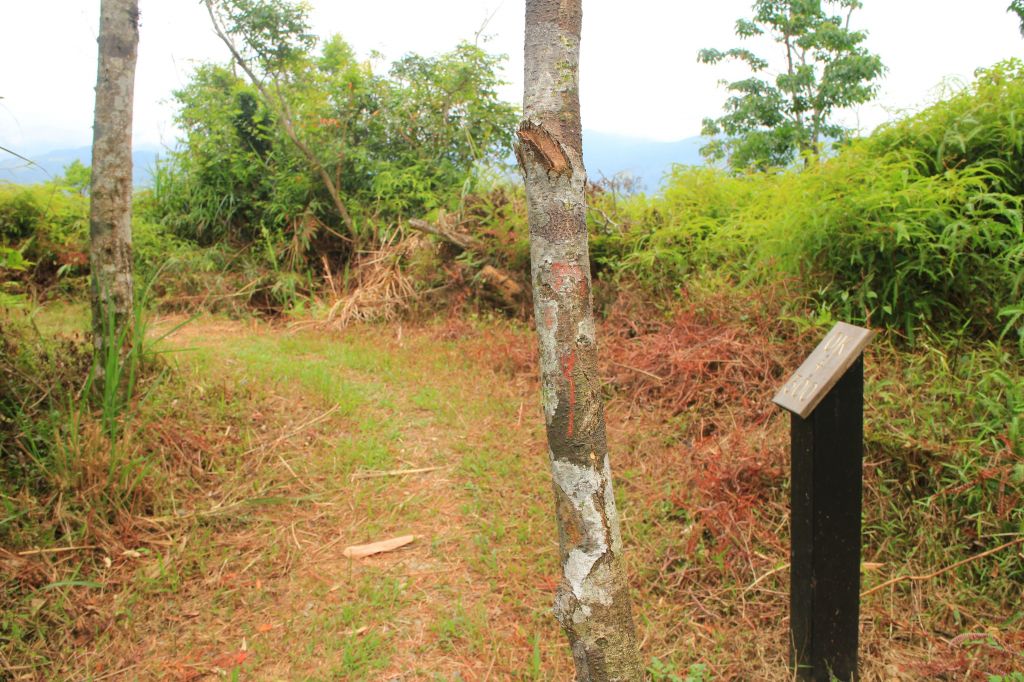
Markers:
<point>48,225</point>
<point>46,242</point>
<point>884,245</point>
<point>934,231</point>
<point>396,145</point>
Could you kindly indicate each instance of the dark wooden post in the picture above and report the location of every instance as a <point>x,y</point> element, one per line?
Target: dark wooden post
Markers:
<point>826,399</point>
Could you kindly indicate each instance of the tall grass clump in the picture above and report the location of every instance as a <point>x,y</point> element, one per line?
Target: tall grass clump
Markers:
<point>884,245</point>
<point>921,223</point>
<point>63,436</point>
<point>79,472</point>
<point>662,240</point>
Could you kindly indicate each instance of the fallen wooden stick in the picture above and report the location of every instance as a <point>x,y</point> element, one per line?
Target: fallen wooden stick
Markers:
<point>52,550</point>
<point>363,551</point>
<point>463,241</point>
<point>392,472</point>
<point>506,287</point>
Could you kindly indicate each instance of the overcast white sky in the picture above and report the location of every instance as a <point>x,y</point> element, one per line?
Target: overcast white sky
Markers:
<point>639,74</point>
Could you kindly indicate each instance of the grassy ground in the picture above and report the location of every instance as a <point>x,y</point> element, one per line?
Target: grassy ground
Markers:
<point>296,440</point>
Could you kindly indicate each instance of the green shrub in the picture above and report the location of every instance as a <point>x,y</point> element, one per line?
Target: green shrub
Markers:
<point>927,222</point>
<point>48,223</point>
<point>396,145</point>
<point>920,224</point>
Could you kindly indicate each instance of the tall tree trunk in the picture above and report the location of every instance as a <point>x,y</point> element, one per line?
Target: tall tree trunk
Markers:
<point>592,603</point>
<point>110,213</point>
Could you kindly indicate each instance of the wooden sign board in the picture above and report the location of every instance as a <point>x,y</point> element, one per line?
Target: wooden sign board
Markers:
<point>826,365</point>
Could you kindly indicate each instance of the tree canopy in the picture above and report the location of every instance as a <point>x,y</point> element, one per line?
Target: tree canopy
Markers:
<point>770,119</point>
<point>1017,7</point>
<point>256,150</point>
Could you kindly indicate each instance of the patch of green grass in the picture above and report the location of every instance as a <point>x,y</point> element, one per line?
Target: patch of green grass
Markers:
<point>359,452</point>
<point>315,362</point>
<point>483,466</point>
<point>337,633</point>
<point>427,398</point>
<point>348,351</point>
<point>943,442</point>
<point>461,629</point>
<point>667,671</point>
<point>265,360</point>
<point>62,317</point>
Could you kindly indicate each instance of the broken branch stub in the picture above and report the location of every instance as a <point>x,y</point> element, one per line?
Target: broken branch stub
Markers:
<point>549,152</point>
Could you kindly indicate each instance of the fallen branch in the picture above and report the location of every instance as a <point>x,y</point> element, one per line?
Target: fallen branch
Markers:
<point>463,241</point>
<point>363,551</point>
<point>947,569</point>
<point>54,550</point>
<point>392,472</point>
<point>507,288</point>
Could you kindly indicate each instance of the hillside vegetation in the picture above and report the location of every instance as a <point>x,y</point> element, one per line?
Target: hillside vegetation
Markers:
<point>711,291</point>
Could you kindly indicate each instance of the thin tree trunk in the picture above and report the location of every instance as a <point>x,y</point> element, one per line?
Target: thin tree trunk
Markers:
<point>592,603</point>
<point>110,212</point>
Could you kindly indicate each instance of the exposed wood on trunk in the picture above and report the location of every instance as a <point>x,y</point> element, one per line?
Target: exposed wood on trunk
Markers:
<point>110,212</point>
<point>593,602</point>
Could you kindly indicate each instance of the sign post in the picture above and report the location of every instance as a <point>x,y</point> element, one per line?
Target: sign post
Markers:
<point>825,397</point>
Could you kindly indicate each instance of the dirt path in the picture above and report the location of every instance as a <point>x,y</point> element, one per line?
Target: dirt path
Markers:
<point>291,444</point>
<point>281,446</point>
<point>261,589</point>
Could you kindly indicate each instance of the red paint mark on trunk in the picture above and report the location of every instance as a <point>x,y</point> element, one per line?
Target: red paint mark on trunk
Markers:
<point>568,363</point>
<point>549,316</point>
<point>565,273</point>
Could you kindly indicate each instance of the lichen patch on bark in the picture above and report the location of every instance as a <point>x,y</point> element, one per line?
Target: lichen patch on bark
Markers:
<point>585,487</point>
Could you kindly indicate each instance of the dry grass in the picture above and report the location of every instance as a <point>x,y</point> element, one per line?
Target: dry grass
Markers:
<point>702,462</point>
<point>247,572</point>
<point>380,289</point>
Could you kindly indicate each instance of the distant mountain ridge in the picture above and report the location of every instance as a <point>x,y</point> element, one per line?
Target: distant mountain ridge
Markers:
<point>604,154</point>
<point>51,164</point>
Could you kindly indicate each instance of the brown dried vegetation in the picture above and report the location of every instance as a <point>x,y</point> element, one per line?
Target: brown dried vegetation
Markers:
<point>243,568</point>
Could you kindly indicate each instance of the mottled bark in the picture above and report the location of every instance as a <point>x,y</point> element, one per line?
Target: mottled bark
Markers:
<point>592,603</point>
<point>110,213</point>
